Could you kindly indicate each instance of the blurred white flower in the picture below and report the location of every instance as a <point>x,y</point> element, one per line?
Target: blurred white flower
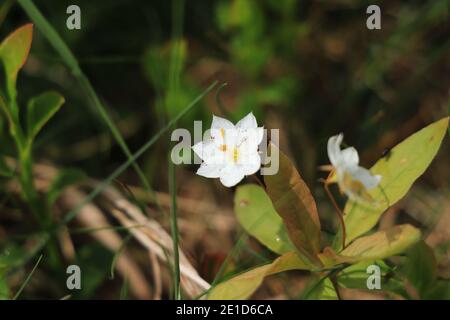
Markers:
<point>231,151</point>
<point>352,179</point>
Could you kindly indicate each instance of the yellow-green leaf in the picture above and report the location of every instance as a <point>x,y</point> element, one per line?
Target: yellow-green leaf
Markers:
<point>257,216</point>
<point>293,201</point>
<point>377,246</point>
<point>40,110</point>
<point>242,286</point>
<point>399,169</point>
<point>14,52</point>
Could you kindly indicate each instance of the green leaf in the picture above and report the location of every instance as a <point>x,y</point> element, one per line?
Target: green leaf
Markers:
<point>293,201</point>
<point>64,179</point>
<point>4,288</point>
<point>322,291</point>
<point>14,52</point>
<point>399,169</point>
<point>421,267</point>
<point>355,276</point>
<point>377,246</point>
<point>245,284</point>
<point>257,216</point>
<point>94,261</point>
<point>40,110</point>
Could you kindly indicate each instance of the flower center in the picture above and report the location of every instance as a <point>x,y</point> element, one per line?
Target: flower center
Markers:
<point>223,148</point>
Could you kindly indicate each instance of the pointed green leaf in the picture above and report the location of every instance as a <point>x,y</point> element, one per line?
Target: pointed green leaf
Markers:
<point>257,216</point>
<point>293,201</point>
<point>14,52</point>
<point>242,286</point>
<point>399,169</point>
<point>64,179</point>
<point>40,110</point>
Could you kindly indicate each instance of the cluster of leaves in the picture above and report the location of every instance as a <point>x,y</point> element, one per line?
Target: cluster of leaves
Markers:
<point>14,51</point>
<point>284,218</point>
<point>24,125</point>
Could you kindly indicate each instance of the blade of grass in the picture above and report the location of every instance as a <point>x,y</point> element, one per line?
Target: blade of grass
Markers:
<point>173,87</point>
<point>174,230</point>
<point>4,9</point>
<point>69,59</point>
<point>24,284</point>
<point>117,254</point>
<point>133,158</point>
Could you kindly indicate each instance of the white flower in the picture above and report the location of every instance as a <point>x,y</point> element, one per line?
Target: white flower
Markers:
<point>352,179</point>
<point>231,152</point>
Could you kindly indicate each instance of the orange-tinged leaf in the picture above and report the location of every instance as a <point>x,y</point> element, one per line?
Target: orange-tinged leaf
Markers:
<point>14,51</point>
<point>293,201</point>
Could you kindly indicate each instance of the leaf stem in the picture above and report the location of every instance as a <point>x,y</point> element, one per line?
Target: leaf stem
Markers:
<point>338,212</point>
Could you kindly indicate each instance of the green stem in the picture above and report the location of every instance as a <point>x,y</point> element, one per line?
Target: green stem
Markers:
<point>174,229</point>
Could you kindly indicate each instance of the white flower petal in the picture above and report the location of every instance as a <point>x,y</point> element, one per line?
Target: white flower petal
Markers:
<point>230,176</point>
<point>349,157</point>
<point>221,123</point>
<point>205,150</point>
<point>248,122</point>
<point>250,164</point>
<point>198,149</point>
<point>334,149</point>
<point>259,134</point>
<point>221,130</point>
<point>367,179</point>
<point>209,171</point>
<point>248,141</point>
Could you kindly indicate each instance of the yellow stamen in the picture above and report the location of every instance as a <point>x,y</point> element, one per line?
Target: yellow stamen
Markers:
<point>222,133</point>
<point>235,154</point>
<point>223,148</point>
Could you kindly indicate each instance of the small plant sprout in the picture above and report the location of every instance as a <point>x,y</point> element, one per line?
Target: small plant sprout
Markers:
<point>352,179</point>
<point>231,151</point>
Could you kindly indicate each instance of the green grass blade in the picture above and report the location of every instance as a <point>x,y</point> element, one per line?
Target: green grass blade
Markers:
<point>173,88</point>
<point>135,156</point>
<point>174,229</point>
<point>69,59</point>
<point>24,284</point>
